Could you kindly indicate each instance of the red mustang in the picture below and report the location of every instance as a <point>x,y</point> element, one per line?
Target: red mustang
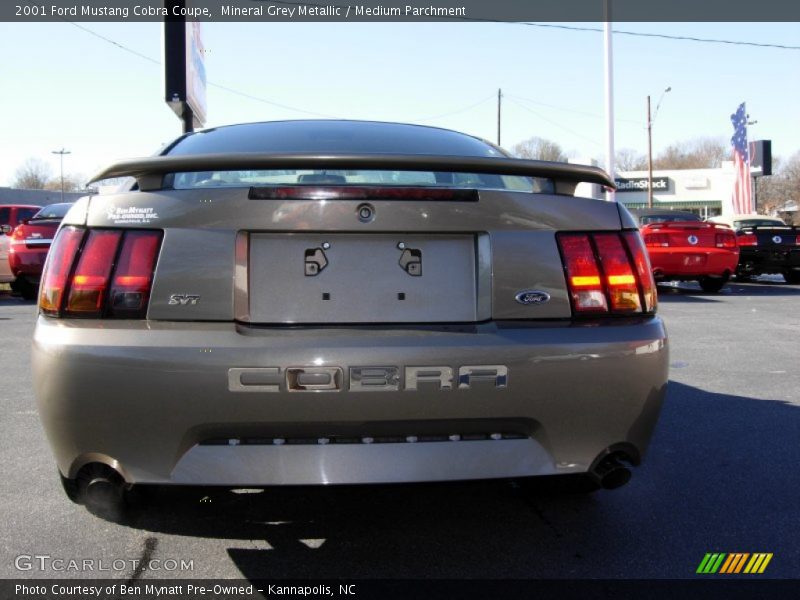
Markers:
<point>683,247</point>
<point>30,242</point>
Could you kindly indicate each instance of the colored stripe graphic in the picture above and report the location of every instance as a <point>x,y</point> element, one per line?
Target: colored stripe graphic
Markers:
<point>733,563</point>
<point>741,562</point>
<point>711,562</point>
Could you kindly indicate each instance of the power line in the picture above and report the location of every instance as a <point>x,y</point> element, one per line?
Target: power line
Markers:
<point>454,112</point>
<point>210,83</point>
<point>264,100</point>
<point>665,36</point>
<point>557,124</point>
<point>464,109</point>
<point>685,38</point>
<point>569,110</point>
<point>115,43</point>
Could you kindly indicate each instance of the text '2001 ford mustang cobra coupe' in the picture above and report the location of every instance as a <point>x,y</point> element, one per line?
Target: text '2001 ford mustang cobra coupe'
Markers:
<point>334,302</point>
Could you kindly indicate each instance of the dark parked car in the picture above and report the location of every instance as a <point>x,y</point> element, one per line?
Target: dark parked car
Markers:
<point>331,302</point>
<point>766,245</point>
<point>30,243</point>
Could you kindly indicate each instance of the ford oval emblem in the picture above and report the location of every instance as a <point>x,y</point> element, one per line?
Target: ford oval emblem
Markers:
<point>692,239</point>
<point>532,297</point>
<point>777,239</point>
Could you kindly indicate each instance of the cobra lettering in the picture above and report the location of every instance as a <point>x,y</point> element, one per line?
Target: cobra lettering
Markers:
<point>366,378</point>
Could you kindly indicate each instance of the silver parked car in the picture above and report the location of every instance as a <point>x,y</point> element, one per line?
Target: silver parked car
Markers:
<point>333,302</point>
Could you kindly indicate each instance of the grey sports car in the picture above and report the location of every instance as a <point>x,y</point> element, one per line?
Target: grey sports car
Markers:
<point>335,302</point>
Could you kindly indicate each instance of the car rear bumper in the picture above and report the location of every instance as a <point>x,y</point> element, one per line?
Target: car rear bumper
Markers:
<point>28,262</point>
<point>689,263</point>
<point>764,260</point>
<point>157,400</point>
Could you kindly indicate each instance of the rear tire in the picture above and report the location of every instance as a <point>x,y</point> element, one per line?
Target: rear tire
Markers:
<point>26,289</point>
<point>712,285</point>
<point>792,277</point>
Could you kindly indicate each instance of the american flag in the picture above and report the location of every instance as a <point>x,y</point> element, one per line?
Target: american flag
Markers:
<point>742,200</point>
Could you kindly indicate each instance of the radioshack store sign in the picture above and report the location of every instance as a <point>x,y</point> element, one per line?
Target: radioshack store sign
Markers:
<point>639,184</point>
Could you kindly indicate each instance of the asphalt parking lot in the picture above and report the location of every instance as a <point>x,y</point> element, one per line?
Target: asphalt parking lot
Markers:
<point>720,476</point>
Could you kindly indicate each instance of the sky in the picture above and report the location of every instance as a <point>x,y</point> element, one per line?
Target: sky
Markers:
<point>62,86</point>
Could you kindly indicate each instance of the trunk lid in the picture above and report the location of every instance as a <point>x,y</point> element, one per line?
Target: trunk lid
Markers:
<point>253,260</point>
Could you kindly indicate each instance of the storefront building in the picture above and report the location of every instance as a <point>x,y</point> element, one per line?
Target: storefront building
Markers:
<point>705,192</point>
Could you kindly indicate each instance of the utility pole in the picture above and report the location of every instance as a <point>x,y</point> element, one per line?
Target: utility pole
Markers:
<point>61,153</point>
<point>609,89</point>
<point>650,120</point>
<point>499,98</point>
<point>649,156</point>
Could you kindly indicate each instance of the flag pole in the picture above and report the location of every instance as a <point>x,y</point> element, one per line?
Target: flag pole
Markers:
<point>609,93</point>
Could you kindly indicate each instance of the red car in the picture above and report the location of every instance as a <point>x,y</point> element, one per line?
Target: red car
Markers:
<point>12,215</point>
<point>30,242</point>
<point>683,247</point>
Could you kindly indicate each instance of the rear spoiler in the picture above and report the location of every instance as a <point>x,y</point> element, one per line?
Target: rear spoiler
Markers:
<point>149,172</point>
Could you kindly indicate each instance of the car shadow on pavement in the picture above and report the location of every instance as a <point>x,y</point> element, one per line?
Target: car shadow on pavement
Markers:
<point>721,475</point>
<point>7,298</point>
<point>689,291</point>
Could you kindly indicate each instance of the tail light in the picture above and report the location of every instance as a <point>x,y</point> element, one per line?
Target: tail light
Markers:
<point>725,240</point>
<point>747,239</point>
<point>608,273</point>
<point>797,240</point>
<point>583,275</point>
<point>133,277</point>
<point>99,273</point>
<point>643,269</point>
<point>656,240</point>
<point>623,289</point>
<point>90,280</point>
<point>56,272</point>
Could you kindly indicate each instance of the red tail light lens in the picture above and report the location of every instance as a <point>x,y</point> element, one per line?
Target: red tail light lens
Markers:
<point>109,276</point>
<point>623,289</point>
<point>57,268</point>
<point>725,240</point>
<point>90,281</point>
<point>130,289</point>
<point>656,240</point>
<point>641,261</point>
<point>747,239</point>
<point>608,272</point>
<point>583,274</point>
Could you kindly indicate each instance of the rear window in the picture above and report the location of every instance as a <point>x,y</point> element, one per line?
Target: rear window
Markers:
<point>26,213</point>
<point>321,136</point>
<point>758,223</point>
<point>212,179</point>
<point>54,211</point>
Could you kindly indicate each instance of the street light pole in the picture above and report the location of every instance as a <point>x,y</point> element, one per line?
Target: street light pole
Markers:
<point>650,120</point>
<point>61,153</point>
<point>499,99</point>
<point>649,157</point>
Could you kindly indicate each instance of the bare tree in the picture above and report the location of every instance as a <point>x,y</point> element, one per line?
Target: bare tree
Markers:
<point>697,153</point>
<point>72,182</point>
<point>33,174</point>
<point>537,148</point>
<point>783,186</point>
<point>628,159</point>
